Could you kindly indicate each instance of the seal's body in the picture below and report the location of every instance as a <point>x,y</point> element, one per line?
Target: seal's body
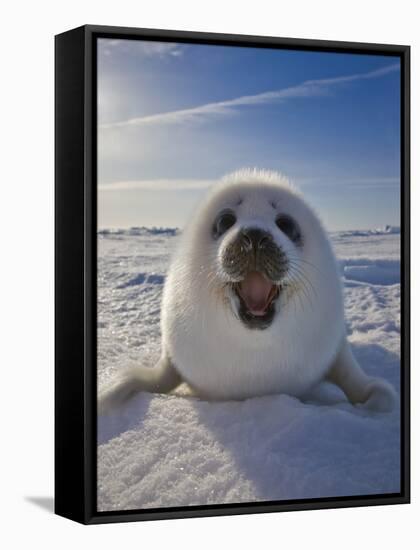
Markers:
<point>252,303</point>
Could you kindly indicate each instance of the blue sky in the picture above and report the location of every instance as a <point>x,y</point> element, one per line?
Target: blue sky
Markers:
<point>173,118</point>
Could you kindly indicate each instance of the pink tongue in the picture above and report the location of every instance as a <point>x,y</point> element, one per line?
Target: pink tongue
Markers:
<point>255,291</point>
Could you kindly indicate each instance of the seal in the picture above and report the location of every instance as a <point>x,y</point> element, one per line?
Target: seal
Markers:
<point>252,304</point>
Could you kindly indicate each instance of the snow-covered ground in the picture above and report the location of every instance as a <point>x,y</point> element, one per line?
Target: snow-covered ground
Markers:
<point>160,451</point>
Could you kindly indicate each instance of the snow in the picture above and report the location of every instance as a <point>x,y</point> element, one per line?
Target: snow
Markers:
<point>160,451</point>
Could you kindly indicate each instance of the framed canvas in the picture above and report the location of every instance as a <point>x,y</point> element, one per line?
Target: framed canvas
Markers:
<point>232,274</point>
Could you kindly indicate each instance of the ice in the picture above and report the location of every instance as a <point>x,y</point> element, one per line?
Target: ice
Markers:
<point>160,451</point>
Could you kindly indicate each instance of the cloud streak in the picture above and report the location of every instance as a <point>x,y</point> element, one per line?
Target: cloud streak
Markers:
<point>203,184</point>
<point>357,181</point>
<point>139,48</point>
<point>157,185</point>
<point>308,88</point>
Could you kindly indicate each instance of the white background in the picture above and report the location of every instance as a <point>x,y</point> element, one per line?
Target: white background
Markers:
<point>26,272</point>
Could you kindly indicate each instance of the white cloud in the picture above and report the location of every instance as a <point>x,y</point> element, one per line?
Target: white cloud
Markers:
<point>202,184</point>
<point>378,182</point>
<point>156,185</point>
<point>309,88</point>
<point>142,48</point>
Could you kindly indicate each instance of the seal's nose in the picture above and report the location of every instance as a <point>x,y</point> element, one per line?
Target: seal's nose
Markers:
<point>255,238</point>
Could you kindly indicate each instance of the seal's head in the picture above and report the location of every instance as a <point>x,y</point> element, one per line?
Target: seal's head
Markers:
<point>263,238</point>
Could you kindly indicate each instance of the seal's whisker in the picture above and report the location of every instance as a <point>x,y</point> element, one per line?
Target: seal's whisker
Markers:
<point>308,263</point>
<point>297,295</point>
<point>308,286</point>
<point>303,274</point>
<point>303,286</point>
<point>305,290</point>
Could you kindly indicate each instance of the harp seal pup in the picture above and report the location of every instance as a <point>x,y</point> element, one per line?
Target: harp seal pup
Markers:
<point>252,304</point>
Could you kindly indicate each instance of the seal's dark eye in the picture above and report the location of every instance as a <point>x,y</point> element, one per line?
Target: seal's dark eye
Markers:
<point>224,221</point>
<point>290,228</point>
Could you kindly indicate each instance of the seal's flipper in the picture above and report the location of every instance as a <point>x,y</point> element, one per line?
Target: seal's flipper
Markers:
<point>162,378</point>
<point>376,394</point>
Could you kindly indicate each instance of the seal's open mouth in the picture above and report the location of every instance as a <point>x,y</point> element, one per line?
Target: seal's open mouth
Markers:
<point>257,295</point>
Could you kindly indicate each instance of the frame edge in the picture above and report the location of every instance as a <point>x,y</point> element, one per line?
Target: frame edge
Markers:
<point>69,276</point>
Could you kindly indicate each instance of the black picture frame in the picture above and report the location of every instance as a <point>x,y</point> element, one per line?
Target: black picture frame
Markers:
<point>75,273</point>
